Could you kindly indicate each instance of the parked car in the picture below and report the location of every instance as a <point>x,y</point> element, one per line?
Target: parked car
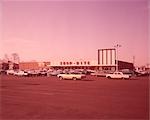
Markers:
<point>73,76</point>
<point>118,75</point>
<point>128,72</point>
<point>33,73</point>
<point>142,73</point>
<point>99,74</point>
<point>54,73</point>
<point>10,72</point>
<point>21,73</point>
<point>3,72</point>
<point>42,73</point>
<point>89,72</point>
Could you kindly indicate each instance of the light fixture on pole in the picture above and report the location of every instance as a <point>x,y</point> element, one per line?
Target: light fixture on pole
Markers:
<point>117,46</point>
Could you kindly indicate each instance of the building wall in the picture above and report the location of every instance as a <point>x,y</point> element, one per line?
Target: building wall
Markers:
<point>80,64</point>
<point>28,65</point>
<point>125,65</point>
<point>73,63</point>
<point>33,65</point>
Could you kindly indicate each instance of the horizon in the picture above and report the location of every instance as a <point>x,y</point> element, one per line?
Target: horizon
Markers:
<point>74,30</point>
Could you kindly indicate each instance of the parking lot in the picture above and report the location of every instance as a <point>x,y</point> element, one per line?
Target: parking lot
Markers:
<point>46,98</point>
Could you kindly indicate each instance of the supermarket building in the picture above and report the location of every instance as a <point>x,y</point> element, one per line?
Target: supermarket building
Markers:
<point>106,60</point>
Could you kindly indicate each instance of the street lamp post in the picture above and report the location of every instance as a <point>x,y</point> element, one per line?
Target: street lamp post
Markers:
<point>117,46</point>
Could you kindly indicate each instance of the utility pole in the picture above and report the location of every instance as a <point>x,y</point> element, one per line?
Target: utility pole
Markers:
<point>117,46</point>
<point>133,61</point>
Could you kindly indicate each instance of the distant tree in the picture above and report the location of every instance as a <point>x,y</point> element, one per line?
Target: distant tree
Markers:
<point>15,58</point>
<point>11,63</point>
<point>6,58</point>
<point>5,62</point>
<point>148,65</point>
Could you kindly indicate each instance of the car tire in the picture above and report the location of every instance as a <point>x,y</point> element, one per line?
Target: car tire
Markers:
<point>48,75</point>
<point>60,78</point>
<point>109,77</point>
<point>74,78</point>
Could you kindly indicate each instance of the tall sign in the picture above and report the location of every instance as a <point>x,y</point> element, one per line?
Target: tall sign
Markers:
<point>107,57</point>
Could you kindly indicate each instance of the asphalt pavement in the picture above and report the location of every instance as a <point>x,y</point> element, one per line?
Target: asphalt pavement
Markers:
<point>93,98</point>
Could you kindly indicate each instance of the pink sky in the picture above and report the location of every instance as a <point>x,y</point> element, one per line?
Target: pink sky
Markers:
<point>62,30</point>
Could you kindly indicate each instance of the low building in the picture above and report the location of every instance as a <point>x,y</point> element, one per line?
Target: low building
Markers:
<point>75,65</point>
<point>93,65</point>
<point>125,65</point>
<point>106,61</point>
<point>28,65</point>
<point>33,65</point>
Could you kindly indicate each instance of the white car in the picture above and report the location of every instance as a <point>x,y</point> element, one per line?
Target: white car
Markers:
<point>118,75</point>
<point>99,74</point>
<point>10,72</point>
<point>72,76</point>
<point>33,72</point>
<point>54,73</point>
<point>21,73</point>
